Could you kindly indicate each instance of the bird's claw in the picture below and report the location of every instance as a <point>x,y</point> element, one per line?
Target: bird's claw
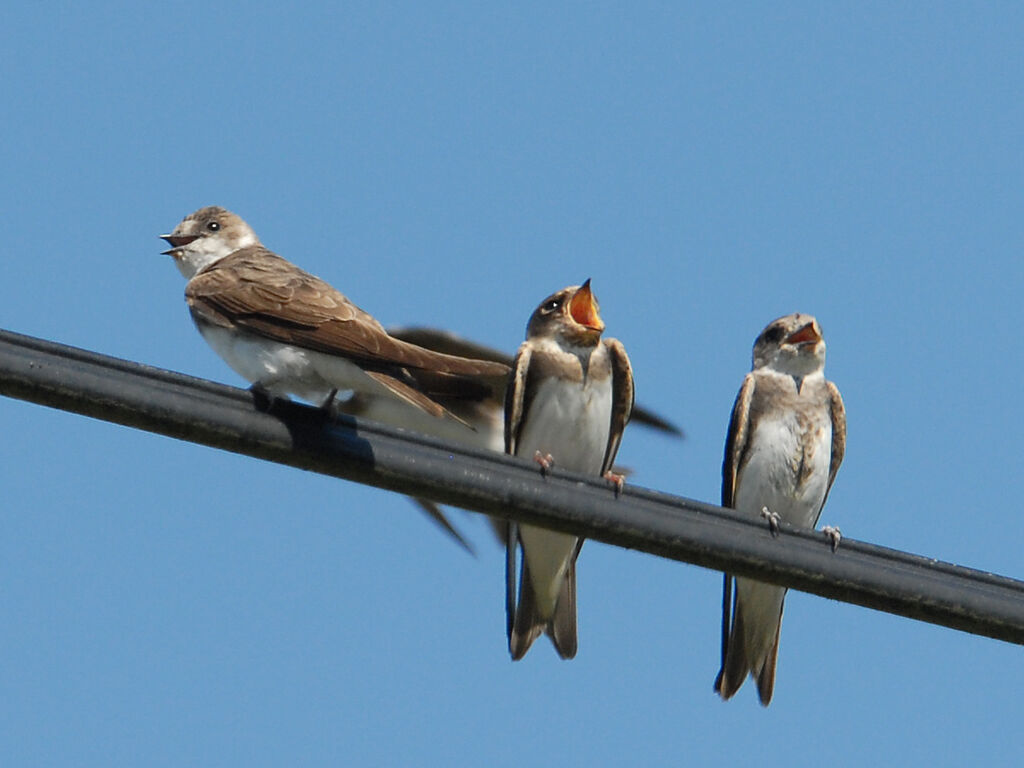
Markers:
<point>617,480</point>
<point>773,519</point>
<point>546,461</point>
<point>834,536</point>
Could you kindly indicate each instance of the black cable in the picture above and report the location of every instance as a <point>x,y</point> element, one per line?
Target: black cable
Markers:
<point>681,529</point>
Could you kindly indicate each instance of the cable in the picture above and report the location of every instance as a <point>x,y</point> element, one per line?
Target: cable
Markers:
<point>224,417</point>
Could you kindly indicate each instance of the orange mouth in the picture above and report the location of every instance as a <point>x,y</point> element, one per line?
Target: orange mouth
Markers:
<point>583,308</point>
<point>806,334</point>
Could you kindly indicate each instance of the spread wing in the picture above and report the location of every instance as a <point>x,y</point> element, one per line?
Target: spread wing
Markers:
<point>258,291</point>
<point>736,440</point>
<point>622,398</point>
<point>517,397</point>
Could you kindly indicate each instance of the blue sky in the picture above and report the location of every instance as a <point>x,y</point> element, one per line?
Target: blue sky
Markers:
<point>711,168</point>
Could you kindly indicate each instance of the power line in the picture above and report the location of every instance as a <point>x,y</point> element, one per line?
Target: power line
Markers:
<point>224,417</point>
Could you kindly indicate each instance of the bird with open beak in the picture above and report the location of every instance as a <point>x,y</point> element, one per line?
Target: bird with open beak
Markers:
<point>486,416</point>
<point>290,333</point>
<point>568,401</point>
<point>786,440</point>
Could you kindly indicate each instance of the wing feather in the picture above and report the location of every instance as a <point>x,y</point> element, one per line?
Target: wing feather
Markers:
<point>623,397</point>
<point>258,291</point>
<point>736,440</point>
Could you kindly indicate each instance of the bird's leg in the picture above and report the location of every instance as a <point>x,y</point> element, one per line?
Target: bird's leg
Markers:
<point>617,480</point>
<point>546,461</point>
<point>773,520</point>
<point>834,536</point>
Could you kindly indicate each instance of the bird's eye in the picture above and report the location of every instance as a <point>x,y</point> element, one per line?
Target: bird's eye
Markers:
<point>552,305</point>
<point>213,226</point>
<point>773,334</point>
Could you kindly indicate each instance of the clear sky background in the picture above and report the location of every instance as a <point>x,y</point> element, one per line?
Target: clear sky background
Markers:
<point>711,168</point>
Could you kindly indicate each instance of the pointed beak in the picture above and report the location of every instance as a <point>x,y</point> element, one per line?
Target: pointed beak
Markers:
<point>808,333</point>
<point>583,308</point>
<point>177,241</point>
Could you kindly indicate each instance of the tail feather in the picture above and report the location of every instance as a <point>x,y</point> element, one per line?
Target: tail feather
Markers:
<point>562,627</point>
<point>766,675</point>
<point>414,397</point>
<point>735,665</point>
<point>528,624</point>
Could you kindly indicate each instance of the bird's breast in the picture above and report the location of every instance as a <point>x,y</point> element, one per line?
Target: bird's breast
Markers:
<point>786,468</point>
<point>571,421</point>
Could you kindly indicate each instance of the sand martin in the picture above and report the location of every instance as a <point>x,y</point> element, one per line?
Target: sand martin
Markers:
<point>568,401</point>
<point>290,333</point>
<point>486,416</point>
<point>786,440</point>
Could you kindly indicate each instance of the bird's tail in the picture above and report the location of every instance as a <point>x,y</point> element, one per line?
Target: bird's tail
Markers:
<point>736,662</point>
<point>528,623</point>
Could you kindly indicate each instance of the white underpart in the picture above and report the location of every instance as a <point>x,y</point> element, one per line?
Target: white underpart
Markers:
<point>768,480</point>
<point>284,369</point>
<point>571,421</point>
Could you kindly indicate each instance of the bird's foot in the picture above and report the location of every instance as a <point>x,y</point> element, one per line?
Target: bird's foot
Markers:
<point>773,520</point>
<point>617,480</point>
<point>546,461</point>
<point>834,536</point>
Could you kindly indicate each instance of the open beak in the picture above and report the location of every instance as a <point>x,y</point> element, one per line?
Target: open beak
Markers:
<point>583,308</point>
<point>808,333</point>
<point>177,241</point>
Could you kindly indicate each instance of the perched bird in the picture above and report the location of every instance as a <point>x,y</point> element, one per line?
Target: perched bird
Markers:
<point>486,416</point>
<point>786,440</point>
<point>568,401</point>
<point>290,333</point>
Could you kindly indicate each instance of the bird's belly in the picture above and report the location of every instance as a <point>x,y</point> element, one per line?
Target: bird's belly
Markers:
<point>281,369</point>
<point>787,471</point>
<point>571,421</point>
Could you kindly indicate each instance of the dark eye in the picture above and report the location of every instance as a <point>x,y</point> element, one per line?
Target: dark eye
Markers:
<point>213,226</point>
<point>551,306</point>
<point>773,335</point>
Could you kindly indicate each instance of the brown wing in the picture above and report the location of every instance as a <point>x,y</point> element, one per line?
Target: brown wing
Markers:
<point>622,398</point>
<point>259,291</point>
<point>734,664</point>
<point>449,343</point>
<point>516,397</point>
<point>736,440</point>
<point>838,411</point>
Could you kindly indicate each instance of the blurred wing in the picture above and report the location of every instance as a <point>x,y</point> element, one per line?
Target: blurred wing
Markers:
<point>649,418</point>
<point>450,343</point>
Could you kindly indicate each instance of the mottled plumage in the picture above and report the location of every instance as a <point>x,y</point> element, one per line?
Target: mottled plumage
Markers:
<point>786,440</point>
